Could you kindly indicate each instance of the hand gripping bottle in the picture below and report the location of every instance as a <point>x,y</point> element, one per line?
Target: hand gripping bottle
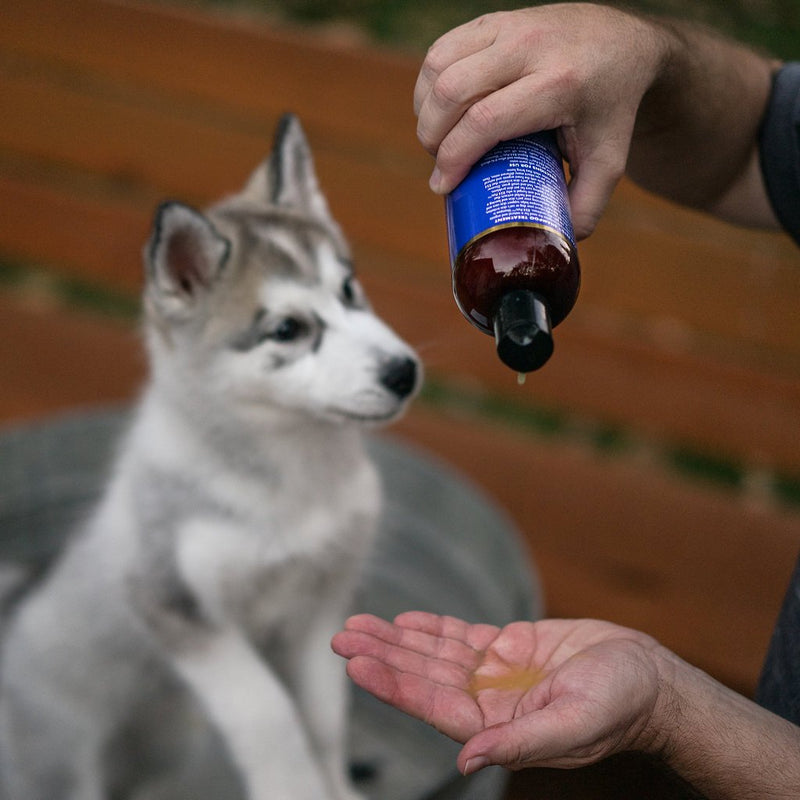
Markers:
<point>512,248</point>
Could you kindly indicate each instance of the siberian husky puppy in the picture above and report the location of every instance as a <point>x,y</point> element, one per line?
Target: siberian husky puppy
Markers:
<point>225,550</point>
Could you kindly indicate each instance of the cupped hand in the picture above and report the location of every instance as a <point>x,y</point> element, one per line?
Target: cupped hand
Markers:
<point>576,67</point>
<point>554,693</point>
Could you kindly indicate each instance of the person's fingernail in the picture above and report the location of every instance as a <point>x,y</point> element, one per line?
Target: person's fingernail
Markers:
<point>475,764</point>
<point>436,180</point>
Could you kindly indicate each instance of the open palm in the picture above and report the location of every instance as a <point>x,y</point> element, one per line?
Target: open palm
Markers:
<point>547,693</point>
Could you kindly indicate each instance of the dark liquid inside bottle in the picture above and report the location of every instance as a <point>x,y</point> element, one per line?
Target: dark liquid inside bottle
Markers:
<point>515,258</point>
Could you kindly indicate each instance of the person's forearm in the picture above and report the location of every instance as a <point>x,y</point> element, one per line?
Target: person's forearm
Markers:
<point>695,140</point>
<point>726,746</point>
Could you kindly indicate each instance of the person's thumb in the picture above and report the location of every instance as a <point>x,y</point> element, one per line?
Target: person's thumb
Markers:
<point>593,178</point>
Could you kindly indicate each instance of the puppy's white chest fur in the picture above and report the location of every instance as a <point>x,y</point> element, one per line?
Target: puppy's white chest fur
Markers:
<point>273,522</point>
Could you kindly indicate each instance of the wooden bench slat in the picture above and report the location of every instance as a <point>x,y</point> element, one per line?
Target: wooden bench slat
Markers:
<point>704,277</point>
<point>54,360</point>
<point>83,236</point>
<point>134,144</point>
<point>239,65</point>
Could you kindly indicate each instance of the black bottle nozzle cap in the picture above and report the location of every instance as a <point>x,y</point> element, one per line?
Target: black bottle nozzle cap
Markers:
<point>522,330</point>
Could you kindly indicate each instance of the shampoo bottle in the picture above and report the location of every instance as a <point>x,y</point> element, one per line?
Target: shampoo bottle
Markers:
<point>512,248</point>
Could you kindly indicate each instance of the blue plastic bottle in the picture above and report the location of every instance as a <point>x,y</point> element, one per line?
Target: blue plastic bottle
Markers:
<point>512,247</point>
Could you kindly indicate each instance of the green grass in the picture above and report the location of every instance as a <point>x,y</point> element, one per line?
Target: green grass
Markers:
<point>604,439</point>
<point>537,420</point>
<point>709,468</point>
<point>72,292</point>
<point>773,25</point>
<point>786,489</point>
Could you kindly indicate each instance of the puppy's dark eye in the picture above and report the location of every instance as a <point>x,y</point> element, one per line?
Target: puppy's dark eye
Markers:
<point>288,330</point>
<point>348,292</point>
<point>351,293</point>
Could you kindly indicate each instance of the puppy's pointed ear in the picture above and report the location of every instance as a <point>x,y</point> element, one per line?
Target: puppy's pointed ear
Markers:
<point>287,178</point>
<point>184,256</point>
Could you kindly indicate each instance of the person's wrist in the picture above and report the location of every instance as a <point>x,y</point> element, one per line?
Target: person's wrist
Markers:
<point>659,732</point>
<point>667,47</point>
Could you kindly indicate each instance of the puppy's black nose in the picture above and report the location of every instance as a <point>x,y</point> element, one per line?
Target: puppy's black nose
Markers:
<point>399,376</point>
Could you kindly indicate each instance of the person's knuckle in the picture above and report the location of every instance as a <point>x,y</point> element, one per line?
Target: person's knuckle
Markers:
<point>448,90</point>
<point>482,119</point>
<point>447,157</point>
<point>435,56</point>
<point>567,82</point>
<point>612,159</point>
<point>426,137</point>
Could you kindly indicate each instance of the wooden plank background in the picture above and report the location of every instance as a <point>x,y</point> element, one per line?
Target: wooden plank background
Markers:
<point>686,336</point>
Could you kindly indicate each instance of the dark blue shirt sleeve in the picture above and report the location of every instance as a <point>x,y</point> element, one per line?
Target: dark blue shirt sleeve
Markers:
<point>779,686</point>
<point>780,148</point>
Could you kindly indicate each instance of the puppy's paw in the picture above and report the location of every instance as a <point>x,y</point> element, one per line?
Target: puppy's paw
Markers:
<point>348,793</point>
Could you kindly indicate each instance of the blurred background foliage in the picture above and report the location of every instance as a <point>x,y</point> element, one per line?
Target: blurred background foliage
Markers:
<point>773,25</point>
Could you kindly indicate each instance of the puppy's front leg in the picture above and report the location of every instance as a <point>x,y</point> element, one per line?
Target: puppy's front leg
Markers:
<point>320,684</point>
<point>254,714</point>
<point>181,604</point>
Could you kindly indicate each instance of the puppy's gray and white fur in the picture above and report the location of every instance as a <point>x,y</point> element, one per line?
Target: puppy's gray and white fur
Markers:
<point>226,548</point>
